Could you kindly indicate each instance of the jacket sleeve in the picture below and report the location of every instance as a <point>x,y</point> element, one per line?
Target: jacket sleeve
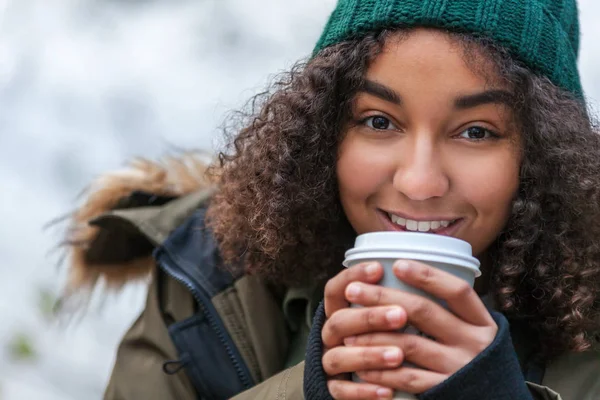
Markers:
<point>287,385</point>
<point>494,374</point>
<point>138,370</point>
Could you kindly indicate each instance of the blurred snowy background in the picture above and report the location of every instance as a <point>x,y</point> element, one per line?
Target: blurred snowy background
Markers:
<point>88,84</point>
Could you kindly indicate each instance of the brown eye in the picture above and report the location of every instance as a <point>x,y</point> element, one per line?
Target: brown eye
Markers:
<point>477,133</point>
<point>379,122</point>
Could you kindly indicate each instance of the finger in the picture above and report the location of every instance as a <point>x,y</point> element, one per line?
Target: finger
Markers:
<point>344,359</point>
<point>335,287</point>
<point>424,314</point>
<point>348,390</point>
<point>355,321</point>
<point>416,349</point>
<point>458,294</point>
<point>405,379</point>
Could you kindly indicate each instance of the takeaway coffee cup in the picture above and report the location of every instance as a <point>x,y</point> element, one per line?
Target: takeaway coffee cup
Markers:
<point>446,253</point>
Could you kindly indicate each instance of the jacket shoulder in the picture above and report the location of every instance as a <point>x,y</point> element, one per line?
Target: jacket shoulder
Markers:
<point>125,214</point>
<point>575,375</point>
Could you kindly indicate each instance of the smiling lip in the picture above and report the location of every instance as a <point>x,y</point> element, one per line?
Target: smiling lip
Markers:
<point>450,230</point>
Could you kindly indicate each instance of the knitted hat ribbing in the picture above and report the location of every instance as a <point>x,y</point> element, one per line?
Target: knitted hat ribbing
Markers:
<point>543,34</point>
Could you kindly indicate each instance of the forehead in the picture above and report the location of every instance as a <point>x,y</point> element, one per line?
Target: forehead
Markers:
<point>424,58</point>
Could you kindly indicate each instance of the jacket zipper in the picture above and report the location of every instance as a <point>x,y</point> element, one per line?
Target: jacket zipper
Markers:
<point>207,310</point>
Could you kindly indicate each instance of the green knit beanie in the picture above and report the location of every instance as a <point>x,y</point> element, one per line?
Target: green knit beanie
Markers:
<point>543,34</point>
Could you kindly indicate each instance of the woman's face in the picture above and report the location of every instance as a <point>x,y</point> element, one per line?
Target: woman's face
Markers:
<point>432,147</point>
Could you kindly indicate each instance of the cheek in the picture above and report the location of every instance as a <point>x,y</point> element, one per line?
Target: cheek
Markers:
<point>493,190</point>
<point>359,173</point>
<point>490,189</point>
<point>361,176</point>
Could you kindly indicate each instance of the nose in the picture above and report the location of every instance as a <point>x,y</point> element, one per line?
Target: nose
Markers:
<point>421,174</point>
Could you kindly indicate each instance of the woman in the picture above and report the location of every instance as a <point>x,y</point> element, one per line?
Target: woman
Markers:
<point>462,118</point>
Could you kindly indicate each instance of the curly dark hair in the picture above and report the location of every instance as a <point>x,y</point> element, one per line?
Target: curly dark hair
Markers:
<point>278,213</point>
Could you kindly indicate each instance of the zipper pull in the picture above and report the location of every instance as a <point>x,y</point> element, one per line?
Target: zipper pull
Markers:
<point>172,367</point>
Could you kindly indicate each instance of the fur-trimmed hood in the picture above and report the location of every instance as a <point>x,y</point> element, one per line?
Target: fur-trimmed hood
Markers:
<point>124,214</point>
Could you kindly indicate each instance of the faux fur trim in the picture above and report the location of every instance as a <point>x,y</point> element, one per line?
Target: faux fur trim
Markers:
<point>172,176</point>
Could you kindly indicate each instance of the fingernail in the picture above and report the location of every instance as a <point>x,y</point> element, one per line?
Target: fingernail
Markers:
<point>392,354</point>
<point>384,393</point>
<point>350,340</point>
<point>372,269</point>
<point>353,290</point>
<point>393,316</point>
<point>402,265</point>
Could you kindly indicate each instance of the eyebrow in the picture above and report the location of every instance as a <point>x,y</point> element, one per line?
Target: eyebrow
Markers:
<point>487,97</point>
<point>462,103</point>
<point>381,91</point>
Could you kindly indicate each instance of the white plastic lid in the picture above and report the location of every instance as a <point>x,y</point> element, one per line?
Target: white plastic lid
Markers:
<point>414,245</point>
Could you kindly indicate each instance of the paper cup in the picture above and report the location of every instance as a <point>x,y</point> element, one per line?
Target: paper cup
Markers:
<point>446,253</point>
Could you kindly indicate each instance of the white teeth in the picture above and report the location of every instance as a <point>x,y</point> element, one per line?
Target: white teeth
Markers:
<point>412,225</point>
<point>421,226</point>
<point>424,226</point>
<point>397,220</point>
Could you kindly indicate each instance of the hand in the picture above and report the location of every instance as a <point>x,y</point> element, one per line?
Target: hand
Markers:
<point>343,322</point>
<point>459,334</point>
